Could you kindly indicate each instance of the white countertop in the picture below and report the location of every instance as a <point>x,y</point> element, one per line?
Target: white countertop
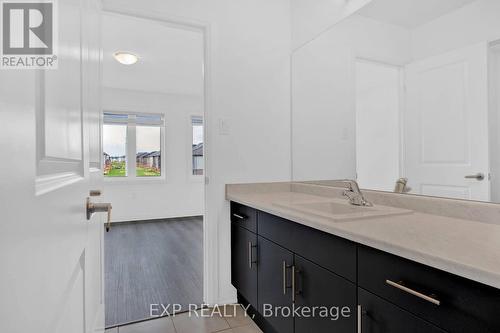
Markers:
<point>467,248</point>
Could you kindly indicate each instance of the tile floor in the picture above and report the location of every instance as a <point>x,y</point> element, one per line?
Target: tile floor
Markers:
<point>195,323</point>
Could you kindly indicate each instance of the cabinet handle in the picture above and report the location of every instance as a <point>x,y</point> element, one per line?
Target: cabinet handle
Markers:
<point>250,260</point>
<point>399,285</point>
<point>241,217</point>
<point>293,283</point>
<point>285,267</point>
<point>360,319</point>
<point>284,277</point>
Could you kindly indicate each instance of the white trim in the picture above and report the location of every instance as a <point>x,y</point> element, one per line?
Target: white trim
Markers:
<point>191,177</point>
<point>131,149</point>
<point>211,292</point>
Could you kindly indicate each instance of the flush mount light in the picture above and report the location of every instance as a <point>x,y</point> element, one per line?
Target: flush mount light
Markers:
<point>125,58</point>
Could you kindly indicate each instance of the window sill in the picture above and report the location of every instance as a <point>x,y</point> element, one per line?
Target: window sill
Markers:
<point>135,180</point>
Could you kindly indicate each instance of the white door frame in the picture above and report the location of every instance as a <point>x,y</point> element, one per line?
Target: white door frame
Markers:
<point>210,228</point>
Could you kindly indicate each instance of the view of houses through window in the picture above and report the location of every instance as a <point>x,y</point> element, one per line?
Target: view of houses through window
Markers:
<point>197,145</point>
<point>120,132</point>
<point>148,157</point>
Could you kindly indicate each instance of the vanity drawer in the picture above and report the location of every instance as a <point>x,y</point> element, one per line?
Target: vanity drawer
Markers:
<point>464,305</point>
<point>333,253</point>
<point>379,316</point>
<point>244,216</point>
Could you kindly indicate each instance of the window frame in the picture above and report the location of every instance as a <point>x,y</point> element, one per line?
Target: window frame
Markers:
<point>131,148</point>
<point>195,178</point>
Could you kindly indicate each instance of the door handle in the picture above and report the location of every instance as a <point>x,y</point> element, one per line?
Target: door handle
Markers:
<point>478,176</point>
<point>92,208</point>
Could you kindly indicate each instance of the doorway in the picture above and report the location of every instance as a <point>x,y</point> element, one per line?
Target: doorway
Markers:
<point>153,167</point>
<point>378,110</point>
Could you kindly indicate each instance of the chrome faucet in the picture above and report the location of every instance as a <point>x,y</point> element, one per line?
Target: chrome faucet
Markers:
<point>352,192</point>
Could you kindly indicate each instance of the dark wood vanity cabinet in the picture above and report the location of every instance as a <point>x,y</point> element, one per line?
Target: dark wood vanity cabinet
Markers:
<point>244,216</point>
<point>317,286</point>
<point>279,263</point>
<point>274,280</point>
<point>451,302</point>
<point>243,263</point>
<point>379,316</point>
<point>295,268</point>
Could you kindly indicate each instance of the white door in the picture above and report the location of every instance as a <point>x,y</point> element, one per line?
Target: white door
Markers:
<point>50,255</point>
<point>378,127</point>
<point>446,124</point>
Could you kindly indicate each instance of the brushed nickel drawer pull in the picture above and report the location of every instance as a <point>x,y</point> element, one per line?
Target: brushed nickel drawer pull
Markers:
<point>284,277</point>
<point>239,216</point>
<point>400,286</point>
<point>360,319</point>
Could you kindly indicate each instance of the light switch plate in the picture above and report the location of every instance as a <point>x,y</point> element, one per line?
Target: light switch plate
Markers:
<point>224,128</point>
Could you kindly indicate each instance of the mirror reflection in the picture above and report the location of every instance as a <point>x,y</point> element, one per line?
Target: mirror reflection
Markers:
<point>402,96</point>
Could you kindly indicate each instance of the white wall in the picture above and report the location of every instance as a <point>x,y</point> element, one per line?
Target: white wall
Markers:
<point>471,24</point>
<point>323,113</point>
<point>250,89</point>
<point>181,194</point>
<point>310,18</point>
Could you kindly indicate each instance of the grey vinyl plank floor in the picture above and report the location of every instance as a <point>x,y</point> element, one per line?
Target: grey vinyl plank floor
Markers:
<point>158,262</point>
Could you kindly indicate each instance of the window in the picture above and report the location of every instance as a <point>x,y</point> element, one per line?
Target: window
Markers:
<point>115,150</point>
<point>197,146</point>
<point>132,145</point>
<point>148,157</point>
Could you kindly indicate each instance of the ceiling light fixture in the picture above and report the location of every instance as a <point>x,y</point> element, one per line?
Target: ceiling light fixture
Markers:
<point>125,58</point>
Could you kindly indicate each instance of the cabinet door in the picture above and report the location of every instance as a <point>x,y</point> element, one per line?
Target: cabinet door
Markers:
<point>274,271</point>
<point>318,288</point>
<point>243,263</point>
<point>380,316</point>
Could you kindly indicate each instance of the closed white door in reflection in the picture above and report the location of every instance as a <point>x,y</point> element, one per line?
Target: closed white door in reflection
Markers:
<point>446,124</point>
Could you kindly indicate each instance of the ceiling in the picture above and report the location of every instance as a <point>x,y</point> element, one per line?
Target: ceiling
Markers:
<point>171,59</point>
<point>410,13</point>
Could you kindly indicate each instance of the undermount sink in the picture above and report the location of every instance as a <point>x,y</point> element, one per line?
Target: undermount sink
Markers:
<point>340,210</point>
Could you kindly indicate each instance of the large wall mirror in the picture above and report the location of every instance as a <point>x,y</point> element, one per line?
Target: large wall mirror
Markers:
<point>403,89</point>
